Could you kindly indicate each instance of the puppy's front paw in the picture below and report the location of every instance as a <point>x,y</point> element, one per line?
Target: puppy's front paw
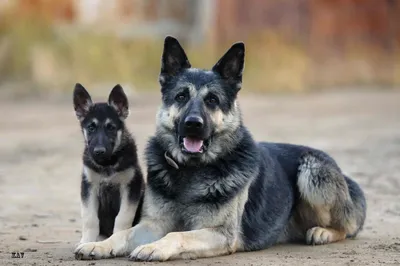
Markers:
<point>87,240</point>
<point>79,243</point>
<point>93,250</point>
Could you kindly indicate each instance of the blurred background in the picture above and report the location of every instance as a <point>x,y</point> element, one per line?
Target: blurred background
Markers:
<point>320,73</point>
<point>301,45</point>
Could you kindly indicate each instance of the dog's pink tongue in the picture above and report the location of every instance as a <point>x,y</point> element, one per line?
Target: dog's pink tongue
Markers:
<point>192,144</point>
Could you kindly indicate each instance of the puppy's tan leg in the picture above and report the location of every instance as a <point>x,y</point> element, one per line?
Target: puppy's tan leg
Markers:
<point>127,211</point>
<point>208,242</point>
<point>90,220</point>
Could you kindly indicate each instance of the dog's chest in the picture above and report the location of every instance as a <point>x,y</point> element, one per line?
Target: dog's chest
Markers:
<point>188,216</point>
<point>199,186</point>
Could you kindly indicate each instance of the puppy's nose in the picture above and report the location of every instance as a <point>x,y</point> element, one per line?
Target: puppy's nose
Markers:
<point>194,122</point>
<point>99,150</point>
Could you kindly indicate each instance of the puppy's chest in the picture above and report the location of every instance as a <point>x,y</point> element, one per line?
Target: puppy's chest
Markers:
<point>109,193</point>
<point>104,180</point>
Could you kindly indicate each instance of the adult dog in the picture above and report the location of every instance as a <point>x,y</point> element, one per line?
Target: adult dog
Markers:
<point>213,190</point>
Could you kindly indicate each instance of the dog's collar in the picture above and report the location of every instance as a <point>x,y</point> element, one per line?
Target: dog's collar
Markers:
<point>170,161</point>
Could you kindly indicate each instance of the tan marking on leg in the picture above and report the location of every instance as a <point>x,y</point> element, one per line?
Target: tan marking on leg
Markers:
<point>322,215</point>
<point>234,247</point>
<point>127,211</point>
<point>308,216</point>
<point>208,242</point>
<point>351,226</point>
<point>90,220</point>
<point>319,236</point>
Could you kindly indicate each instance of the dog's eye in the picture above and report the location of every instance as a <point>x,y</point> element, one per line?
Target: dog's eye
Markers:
<point>110,127</point>
<point>91,127</point>
<point>181,97</point>
<point>212,100</point>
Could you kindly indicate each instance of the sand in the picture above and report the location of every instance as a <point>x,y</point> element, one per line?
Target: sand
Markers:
<point>41,145</point>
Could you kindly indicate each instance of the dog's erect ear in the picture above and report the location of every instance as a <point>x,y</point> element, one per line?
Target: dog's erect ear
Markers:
<point>119,101</point>
<point>82,101</point>
<point>231,64</point>
<point>173,59</point>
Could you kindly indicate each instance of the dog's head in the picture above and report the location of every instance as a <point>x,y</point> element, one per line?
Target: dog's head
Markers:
<point>199,115</point>
<point>102,123</point>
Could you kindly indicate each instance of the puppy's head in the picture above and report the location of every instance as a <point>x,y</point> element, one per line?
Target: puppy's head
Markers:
<point>102,123</point>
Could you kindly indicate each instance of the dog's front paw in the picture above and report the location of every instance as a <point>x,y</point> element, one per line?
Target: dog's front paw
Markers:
<point>93,251</point>
<point>150,252</point>
<point>318,236</point>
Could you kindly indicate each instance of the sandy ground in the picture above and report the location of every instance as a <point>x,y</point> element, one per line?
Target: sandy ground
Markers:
<point>40,165</point>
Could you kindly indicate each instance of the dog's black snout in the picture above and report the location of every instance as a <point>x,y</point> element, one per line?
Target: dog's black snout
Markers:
<point>99,150</point>
<point>194,122</point>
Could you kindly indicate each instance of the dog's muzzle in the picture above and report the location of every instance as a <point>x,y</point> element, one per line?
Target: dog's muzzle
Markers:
<point>101,155</point>
<point>193,135</point>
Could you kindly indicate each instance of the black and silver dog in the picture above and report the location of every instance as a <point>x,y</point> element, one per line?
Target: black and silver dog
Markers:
<point>213,190</point>
<point>112,183</point>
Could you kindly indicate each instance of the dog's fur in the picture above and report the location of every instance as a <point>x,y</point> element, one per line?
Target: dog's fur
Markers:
<point>232,194</point>
<point>112,182</point>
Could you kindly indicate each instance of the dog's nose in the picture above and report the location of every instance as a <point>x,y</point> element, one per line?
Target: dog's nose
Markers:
<point>99,150</point>
<point>194,122</point>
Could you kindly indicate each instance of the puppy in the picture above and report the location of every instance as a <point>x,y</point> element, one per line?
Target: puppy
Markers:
<point>112,182</point>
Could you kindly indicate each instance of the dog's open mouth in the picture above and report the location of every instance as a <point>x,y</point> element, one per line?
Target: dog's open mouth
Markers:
<point>193,145</point>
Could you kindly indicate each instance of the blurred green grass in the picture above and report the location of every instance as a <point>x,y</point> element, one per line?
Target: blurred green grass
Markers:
<point>33,52</point>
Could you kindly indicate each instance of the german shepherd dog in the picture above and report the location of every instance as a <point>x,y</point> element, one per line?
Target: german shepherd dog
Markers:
<point>112,183</point>
<point>213,190</point>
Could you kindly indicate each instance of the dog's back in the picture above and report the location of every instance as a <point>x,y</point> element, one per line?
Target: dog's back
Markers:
<point>306,193</point>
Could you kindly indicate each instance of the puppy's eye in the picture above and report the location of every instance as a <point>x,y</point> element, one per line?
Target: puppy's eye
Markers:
<point>92,127</point>
<point>181,97</point>
<point>212,100</point>
<point>110,127</point>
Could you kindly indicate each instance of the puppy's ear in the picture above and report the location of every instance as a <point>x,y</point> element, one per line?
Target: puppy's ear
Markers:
<point>119,101</point>
<point>82,101</point>
<point>231,65</point>
<point>173,59</point>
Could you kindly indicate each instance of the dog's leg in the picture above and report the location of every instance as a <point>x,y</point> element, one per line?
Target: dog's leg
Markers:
<point>336,204</point>
<point>89,212</point>
<point>123,242</point>
<point>208,242</point>
<point>127,210</point>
